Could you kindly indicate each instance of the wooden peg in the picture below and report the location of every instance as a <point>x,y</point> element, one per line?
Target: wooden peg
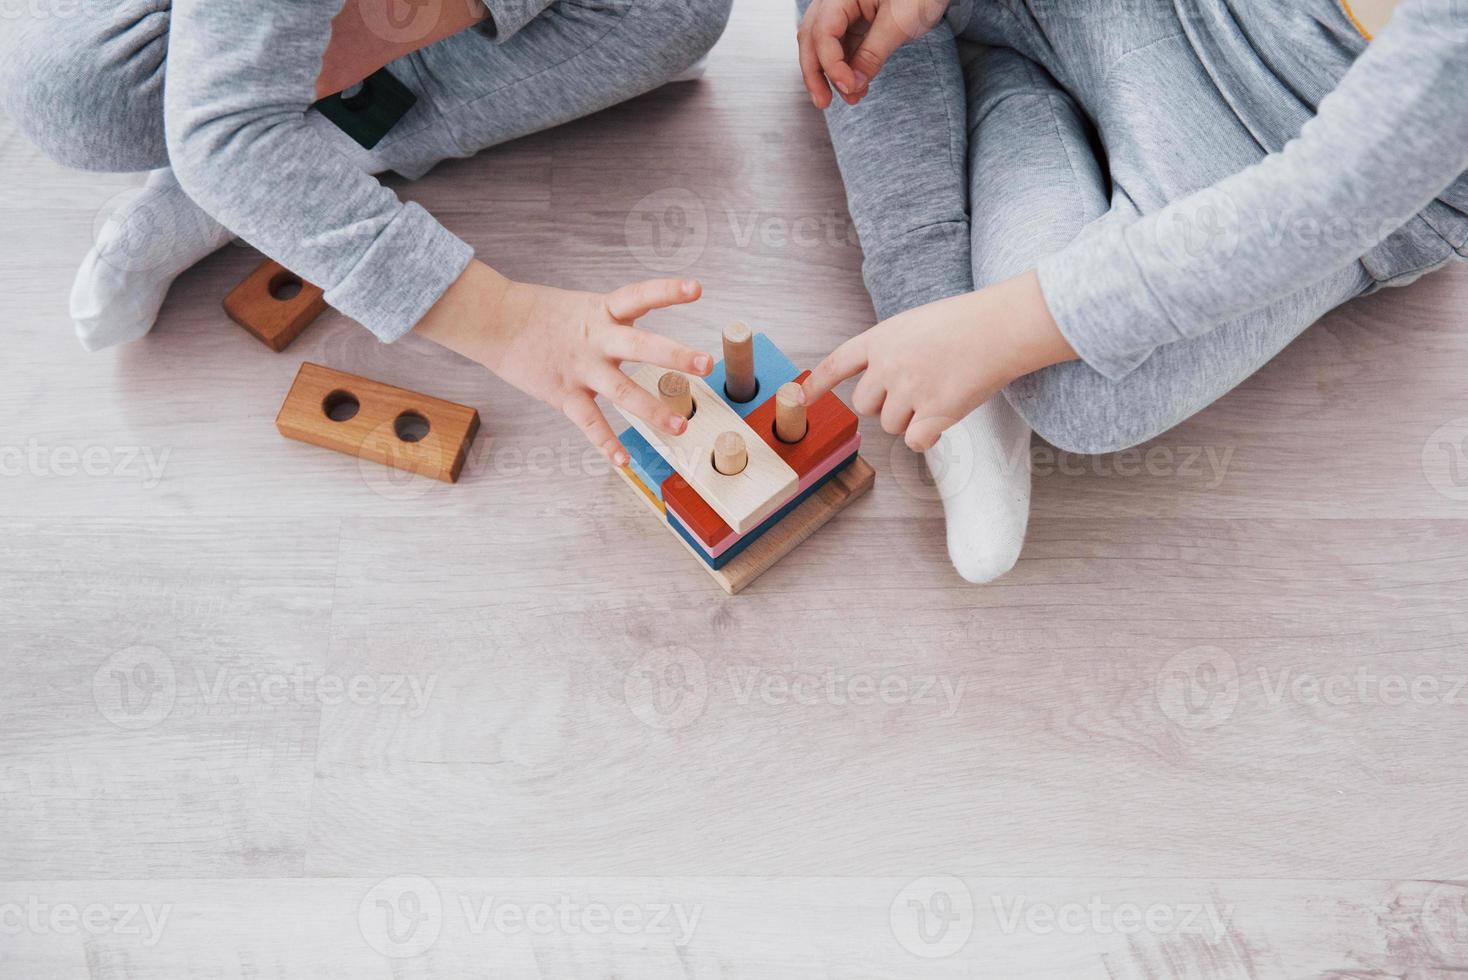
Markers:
<point>730,456</point>
<point>674,391</point>
<point>739,380</point>
<point>790,421</point>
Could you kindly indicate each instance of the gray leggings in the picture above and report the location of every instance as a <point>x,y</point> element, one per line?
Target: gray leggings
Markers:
<point>88,89</point>
<point>968,162</point>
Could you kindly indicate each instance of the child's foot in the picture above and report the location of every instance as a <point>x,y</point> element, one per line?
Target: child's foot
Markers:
<point>140,250</point>
<point>981,467</point>
<point>693,72</point>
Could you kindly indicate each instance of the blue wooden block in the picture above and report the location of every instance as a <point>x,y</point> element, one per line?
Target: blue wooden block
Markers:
<point>771,370</point>
<point>769,522</point>
<point>645,461</point>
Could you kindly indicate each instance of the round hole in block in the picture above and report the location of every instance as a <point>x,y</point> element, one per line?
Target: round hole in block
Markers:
<point>340,406</point>
<point>752,396</point>
<point>356,97</point>
<point>410,427</point>
<point>285,286</point>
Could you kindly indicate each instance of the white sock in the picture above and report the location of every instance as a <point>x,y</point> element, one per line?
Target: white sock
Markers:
<point>981,467</point>
<point>693,72</point>
<point>139,251</point>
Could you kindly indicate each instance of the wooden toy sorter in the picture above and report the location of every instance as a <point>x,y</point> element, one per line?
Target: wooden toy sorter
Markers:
<point>741,517</point>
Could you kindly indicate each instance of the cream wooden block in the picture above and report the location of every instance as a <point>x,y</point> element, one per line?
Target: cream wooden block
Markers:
<point>743,499</point>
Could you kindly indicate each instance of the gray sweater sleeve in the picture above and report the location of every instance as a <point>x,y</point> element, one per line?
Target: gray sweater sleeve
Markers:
<point>1390,138</point>
<point>240,78</point>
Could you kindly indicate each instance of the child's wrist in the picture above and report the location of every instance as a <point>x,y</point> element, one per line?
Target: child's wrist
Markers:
<point>469,318</point>
<point>1035,340</point>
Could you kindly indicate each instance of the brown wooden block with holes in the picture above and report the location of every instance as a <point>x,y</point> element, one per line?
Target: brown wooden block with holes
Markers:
<point>377,422</point>
<point>274,304</point>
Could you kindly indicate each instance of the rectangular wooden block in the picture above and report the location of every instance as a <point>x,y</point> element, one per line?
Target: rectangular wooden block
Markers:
<point>741,500</point>
<point>831,425</point>
<point>274,322</point>
<point>832,498</point>
<point>735,544</point>
<point>645,463</point>
<point>392,426</point>
<point>731,541</point>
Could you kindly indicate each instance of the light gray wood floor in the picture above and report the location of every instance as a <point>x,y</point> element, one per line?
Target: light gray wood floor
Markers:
<point>269,713</point>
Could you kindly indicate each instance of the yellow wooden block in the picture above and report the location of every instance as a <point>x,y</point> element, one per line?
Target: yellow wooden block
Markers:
<point>742,499</point>
<point>633,479</point>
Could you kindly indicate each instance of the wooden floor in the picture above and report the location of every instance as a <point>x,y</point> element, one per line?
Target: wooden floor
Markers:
<point>270,713</point>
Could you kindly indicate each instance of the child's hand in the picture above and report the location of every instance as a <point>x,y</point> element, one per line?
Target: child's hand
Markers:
<point>563,347</point>
<point>929,367</point>
<point>846,42</point>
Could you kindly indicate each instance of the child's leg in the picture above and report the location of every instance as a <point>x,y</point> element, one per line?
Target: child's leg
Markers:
<point>88,90</point>
<point>901,151</point>
<point>575,58</point>
<point>1034,182</point>
<point>1080,410</point>
<point>571,60</point>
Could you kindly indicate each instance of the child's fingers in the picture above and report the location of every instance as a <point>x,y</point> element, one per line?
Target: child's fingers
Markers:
<point>869,396</point>
<point>581,409</point>
<point>884,37</point>
<point>645,347</point>
<point>831,25</point>
<point>630,396</point>
<point>843,362</point>
<point>641,298</point>
<point>922,434</point>
<point>810,65</point>
<point>896,415</point>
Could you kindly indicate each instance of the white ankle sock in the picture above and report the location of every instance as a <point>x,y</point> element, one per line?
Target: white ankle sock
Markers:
<point>139,251</point>
<point>693,72</point>
<point>981,467</point>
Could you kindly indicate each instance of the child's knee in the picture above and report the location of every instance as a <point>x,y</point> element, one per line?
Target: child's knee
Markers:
<point>1077,410</point>
<point>704,24</point>
<point>62,94</point>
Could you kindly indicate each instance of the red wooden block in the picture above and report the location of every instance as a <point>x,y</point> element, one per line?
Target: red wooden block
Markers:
<point>830,427</point>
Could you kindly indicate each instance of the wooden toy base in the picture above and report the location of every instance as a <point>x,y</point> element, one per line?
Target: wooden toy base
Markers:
<point>761,555</point>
